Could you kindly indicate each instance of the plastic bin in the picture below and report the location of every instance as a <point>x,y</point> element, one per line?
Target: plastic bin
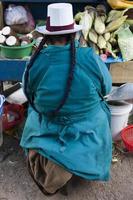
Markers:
<point>2,99</point>
<point>17,51</point>
<point>119,117</point>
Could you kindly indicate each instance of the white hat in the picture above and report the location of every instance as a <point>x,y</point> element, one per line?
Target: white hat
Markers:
<point>59,20</point>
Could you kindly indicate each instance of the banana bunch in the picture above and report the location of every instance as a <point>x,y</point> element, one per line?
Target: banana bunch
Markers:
<point>99,28</point>
<point>120,4</point>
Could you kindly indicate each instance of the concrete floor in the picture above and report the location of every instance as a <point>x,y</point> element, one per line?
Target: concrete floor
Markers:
<point>16,183</point>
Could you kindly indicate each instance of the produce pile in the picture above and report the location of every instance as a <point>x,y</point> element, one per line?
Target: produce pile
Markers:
<point>17,46</point>
<point>19,31</point>
<point>105,31</point>
<point>10,38</point>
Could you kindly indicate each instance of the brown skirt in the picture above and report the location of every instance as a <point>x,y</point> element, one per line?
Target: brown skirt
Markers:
<point>48,176</point>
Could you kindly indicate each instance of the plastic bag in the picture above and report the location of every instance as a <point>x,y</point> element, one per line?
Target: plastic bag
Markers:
<point>125,42</point>
<point>124,92</point>
<point>25,27</point>
<point>15,15</point>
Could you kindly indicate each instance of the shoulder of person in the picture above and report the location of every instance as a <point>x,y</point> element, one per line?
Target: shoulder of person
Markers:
<point>87,52</point>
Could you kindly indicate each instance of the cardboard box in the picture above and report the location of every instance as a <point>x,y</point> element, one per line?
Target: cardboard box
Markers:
<point>122,72</point>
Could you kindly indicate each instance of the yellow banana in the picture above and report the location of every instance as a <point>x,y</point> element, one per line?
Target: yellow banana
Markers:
<point>120,4</point>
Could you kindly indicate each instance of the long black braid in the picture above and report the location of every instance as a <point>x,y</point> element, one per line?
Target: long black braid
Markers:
<point>26,76</point>
<point>70,77</point>
<point>69,80</point>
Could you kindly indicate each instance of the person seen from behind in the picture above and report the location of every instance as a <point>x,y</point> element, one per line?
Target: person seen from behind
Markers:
<point>67,131</point>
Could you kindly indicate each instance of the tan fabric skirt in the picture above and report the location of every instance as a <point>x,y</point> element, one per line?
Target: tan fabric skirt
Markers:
<point>48,176</point>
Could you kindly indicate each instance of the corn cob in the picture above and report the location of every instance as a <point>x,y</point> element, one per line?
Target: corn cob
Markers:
<point>78,17</point>
<point>101,42</point>
<point>110,50</point>
<point>93,36</point>
<point>114,15</point>
<point>114,25</point>
<point>86,23</point>
<point>107,36</point>
<point>99,25</point>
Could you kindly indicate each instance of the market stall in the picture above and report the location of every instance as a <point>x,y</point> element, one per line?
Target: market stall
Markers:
<point>108,31</point>
<point>101,35</point>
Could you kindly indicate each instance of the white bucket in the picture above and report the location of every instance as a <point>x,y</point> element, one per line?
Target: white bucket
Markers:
<point>119,117</point>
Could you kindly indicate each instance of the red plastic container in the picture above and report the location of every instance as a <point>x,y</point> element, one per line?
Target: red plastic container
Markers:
<point>13,115</point>
<point>127,137</point>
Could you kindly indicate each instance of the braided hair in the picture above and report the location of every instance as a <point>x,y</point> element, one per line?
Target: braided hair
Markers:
<point>26,75</point>
<point>70,76</point>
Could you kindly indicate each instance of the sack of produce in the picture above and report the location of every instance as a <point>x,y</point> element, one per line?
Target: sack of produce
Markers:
<point>15,15</point>
<point>125,42</point>
<point>26,27</point>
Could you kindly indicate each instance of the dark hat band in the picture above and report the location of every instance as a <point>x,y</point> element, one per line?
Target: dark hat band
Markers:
<point>58,28</point>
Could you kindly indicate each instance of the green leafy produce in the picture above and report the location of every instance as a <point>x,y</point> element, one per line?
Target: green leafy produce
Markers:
<point>110,50</point>
<point>86,23</point>
<point>101,42</point>
<point>99,25</point>
<point>125,41</point>
<point>78,17</point>
<point>114,25</point>
<point>107,36</point>
<point>114,15</point>
<point>93,36</point>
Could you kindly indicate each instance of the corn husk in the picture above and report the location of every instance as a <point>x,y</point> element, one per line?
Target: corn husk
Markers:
<point>114,25</point>
<point>113,39</point>
<point>104,18</point>
<point>114,15</point>
<point>125,41</point>
<point>78,17</point>
<point>110,50</point>
<point>99,25</point>
<point>101,42</point>
<point>92,36</point>
<point>86,23</point>
<point>107,36</point>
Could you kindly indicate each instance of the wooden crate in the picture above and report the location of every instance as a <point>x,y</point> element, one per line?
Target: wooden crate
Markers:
<point>122,72</point>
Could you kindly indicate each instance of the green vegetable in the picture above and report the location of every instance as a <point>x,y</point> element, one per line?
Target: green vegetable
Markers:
<point>114,25</point>
<point>125,42</point>
<point>107,36</point>
<point>78,17</point>
<point>101,42</point>
<point>93,36</point>
<point>110,50</point>
<point>114,15</point>
<point>86,23</point>
<point>99,25</point>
